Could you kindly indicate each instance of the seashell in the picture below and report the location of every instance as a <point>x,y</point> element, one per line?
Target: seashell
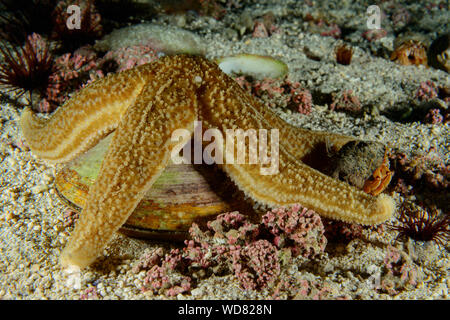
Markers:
<point>257,66</point>
<point>183,194</point>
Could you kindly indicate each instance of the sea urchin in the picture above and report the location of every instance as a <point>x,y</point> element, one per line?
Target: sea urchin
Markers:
<point>422,225</point>
<point>27,68</point>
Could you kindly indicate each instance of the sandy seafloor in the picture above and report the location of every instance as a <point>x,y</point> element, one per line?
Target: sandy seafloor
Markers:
<point>32,232</point>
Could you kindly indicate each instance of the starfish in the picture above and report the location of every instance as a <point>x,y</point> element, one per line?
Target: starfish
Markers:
<point>144,106</point>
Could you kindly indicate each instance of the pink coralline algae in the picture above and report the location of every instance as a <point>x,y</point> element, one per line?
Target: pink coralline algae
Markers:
<point>374,34</point>
<point>427,91</point>
<point>256,265</point>
<point>339,231</point>
<point>300,289</point>
<point>323,27</point>
<point>259,30</point>
<point>89,294</point>
<point>285,92</point>
<point>401,17</point>
<point>133,56</point>
<point>149,259</point>
<point>423,170</point>
<point>265,27</point>
<point>159,276</point>
<point>298,229</point>
<point>232,244</point>
<point>346,101</point>
<point>234,227</point>
<point>434,116</point>
<point>399,272</point>
<point>72,71</point>
<point>300,98</point>
<point>159,280</point>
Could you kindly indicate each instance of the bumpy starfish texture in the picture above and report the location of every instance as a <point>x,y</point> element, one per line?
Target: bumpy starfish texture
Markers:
<point>144,106</point>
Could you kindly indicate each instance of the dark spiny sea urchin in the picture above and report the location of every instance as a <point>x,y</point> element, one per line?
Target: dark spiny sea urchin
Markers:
<point>422,225</point>
<point>27,68</point>
<point>19,18</point>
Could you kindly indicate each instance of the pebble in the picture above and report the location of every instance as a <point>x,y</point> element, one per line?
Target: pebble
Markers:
<point>12,163</point>
<point>39,188</point>
<point>197,292</point>
<point>36,176</point>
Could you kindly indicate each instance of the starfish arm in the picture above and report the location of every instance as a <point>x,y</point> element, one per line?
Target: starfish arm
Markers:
<point>138,153</point>
<point>301,184</point>
<point>84,119</point>
<point>297,141</point>
<point>226,106</point>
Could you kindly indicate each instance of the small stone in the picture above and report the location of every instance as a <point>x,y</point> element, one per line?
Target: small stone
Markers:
<point>197,292</point>
<point>39,188</point>
<point>35,268</point>
<point>46,178</point>
<point>10,216</point>
<point>12,162</point>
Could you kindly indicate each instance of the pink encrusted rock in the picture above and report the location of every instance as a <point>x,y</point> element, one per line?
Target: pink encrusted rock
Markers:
<point>399,272</point>
<point>341,231</point>
<point>285,92</point>
<point>259,30</point>
<point>297,228</point>
<point>90,293</point>
<point>434,116</point>
<point>301,289</point>
<point>300,97</point>
<point>234,227</point>
<point>426,91</point>
<point>133,56</point>
<point>232,244</point>
<point>374,34</point>
<point>256,265</point>
<point>346,101</point>
<point>72,72</point>
<point>161,277</point>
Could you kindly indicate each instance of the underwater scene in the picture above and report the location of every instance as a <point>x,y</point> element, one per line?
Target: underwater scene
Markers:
<point>224,150</point>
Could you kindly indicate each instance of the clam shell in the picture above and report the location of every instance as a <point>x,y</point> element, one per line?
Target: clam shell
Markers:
<point>254,65</point>
<point>183,194</point>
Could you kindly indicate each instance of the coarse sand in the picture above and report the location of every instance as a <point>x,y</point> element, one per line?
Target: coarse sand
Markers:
<point>33,220</point>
